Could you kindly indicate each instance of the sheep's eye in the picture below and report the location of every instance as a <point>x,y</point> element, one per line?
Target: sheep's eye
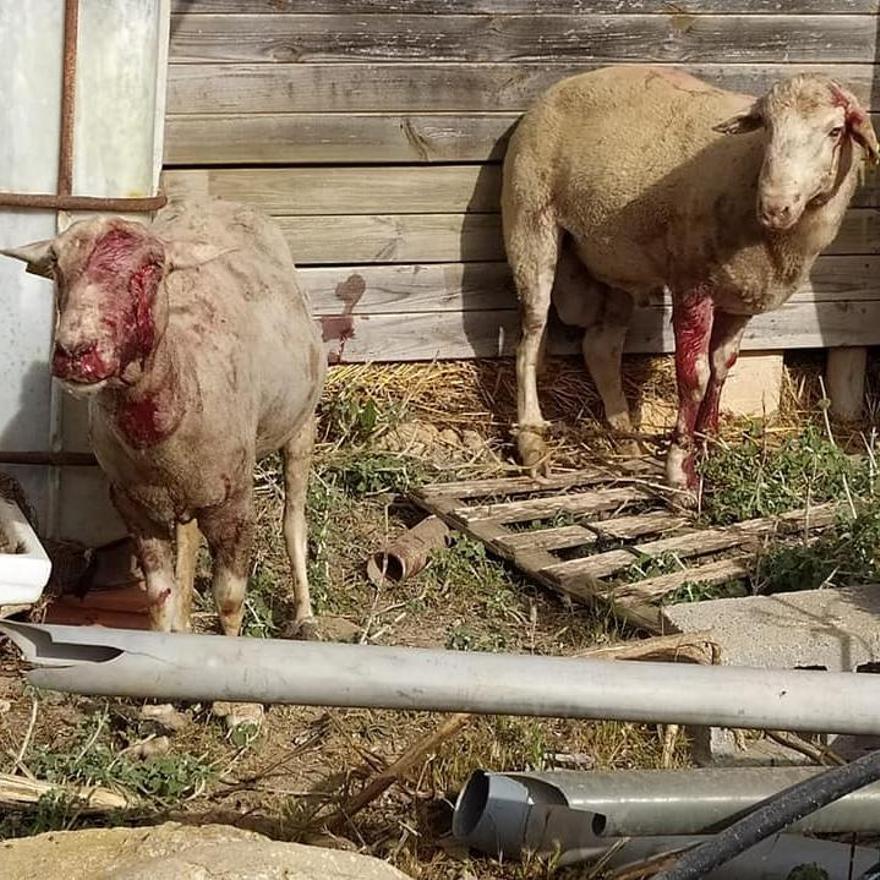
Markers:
<point>836,132</point>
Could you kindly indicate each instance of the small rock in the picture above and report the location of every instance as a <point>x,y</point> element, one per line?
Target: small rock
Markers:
<point>237,714</point>
<point>5,706</point>
<point>332,628</point>
<point>472,440</point>
<point>149,748</point>
<point>165,716</point>
<point>449,437</point>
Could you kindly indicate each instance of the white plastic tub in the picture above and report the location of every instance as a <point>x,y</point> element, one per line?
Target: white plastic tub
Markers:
<point>23,575</point>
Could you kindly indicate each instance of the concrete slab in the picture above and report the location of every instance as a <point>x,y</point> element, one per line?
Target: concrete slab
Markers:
<point>833,629</point>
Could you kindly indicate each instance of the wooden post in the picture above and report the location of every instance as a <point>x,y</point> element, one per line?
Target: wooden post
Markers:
<point>845,381</point>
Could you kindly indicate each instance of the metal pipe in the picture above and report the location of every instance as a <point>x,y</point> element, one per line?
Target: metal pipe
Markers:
<point>68,98</point>
<point>642,803</point>
<point>409,553</point>
<point>198,667</point>
<point>146,204</point>
<point>775,813</point>
<point>772,859</point>
<point>507,816</point>
<point>73,459</point>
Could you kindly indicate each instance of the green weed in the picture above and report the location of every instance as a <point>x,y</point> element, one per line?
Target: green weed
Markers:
<point>846,555</point>
<point>701,591</point>
<point>752,479</point>
<point>355,417</point>
<point>90,758</point>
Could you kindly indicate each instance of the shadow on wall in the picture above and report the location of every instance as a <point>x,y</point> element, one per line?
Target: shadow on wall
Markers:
<point>22,432</point>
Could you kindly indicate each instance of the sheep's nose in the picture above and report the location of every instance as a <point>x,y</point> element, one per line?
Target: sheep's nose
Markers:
<point>779,213</point>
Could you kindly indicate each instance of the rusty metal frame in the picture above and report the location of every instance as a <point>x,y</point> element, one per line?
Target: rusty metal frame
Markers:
<point>63,199</point>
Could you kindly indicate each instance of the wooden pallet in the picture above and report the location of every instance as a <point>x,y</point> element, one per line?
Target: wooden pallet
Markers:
<point>625,507</point>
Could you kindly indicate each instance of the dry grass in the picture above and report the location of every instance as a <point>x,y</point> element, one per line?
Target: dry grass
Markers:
<point>305,761</point>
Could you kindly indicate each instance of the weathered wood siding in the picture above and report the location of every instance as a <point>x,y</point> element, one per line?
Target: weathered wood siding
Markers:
<point>374,132</point>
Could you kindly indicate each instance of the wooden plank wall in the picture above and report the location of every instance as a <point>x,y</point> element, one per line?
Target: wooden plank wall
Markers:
<point>374,130</point>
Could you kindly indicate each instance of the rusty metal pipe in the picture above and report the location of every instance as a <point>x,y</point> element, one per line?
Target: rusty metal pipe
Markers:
<point>68,98</point>
<point>408,554</point>
<point>45,201</point>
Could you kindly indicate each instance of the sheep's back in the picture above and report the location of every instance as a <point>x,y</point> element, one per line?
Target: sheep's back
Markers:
<point>622,155</point>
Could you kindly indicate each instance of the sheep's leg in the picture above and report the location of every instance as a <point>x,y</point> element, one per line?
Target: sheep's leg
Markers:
<point>727,333</point>
<point>603,353</point>
<point>154,546</point>
<point>297,454</point>
<point>541,359</point>
<point>188,540</point>
<point>533,260</point>
<point>229,531</point>
<point>692,316</point>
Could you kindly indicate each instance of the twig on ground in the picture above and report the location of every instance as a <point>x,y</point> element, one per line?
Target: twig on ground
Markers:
<point>384,780</point>
<point>670,737</point>
<point>814,751</point>
<point>26,742</point>
<point>648,867</point>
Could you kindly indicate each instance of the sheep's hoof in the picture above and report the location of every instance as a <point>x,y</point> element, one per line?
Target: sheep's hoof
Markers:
<point>684,499</point>
<point>304,630</point>
<point>681,476</point>
<point>533,453</point>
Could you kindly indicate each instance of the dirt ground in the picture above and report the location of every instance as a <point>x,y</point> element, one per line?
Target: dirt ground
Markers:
<point>383,429</point>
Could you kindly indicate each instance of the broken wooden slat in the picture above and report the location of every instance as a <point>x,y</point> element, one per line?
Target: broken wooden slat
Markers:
<point>541,508</point>
<point>18,791</point>
<point>652,589</point>
<point>695,542</point>
<point>694,647</point>
<point>523,7</point>
<point>558,538</point>
<point>534,560</point>
<point>629,527</point>
<point>702,541</point>
<point>598,566</point>
<point>520,485</point>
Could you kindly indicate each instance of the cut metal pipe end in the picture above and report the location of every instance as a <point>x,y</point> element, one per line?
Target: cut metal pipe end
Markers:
<point>408,554</point>
<point>506,816</point>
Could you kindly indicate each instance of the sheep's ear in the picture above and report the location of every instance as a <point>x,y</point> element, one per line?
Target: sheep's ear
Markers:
<point>190,254</point>
<point>858,122</point>
<point>38,255</point>
<point>741,123</point>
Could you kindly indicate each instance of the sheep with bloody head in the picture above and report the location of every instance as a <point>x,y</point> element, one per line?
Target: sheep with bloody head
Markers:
<point>194,344</point>
<point>637,179</point>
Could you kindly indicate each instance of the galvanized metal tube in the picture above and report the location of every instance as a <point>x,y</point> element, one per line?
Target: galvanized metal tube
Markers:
<point>199,667</point>
<point>641,803</point>
<point>503,817</point>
